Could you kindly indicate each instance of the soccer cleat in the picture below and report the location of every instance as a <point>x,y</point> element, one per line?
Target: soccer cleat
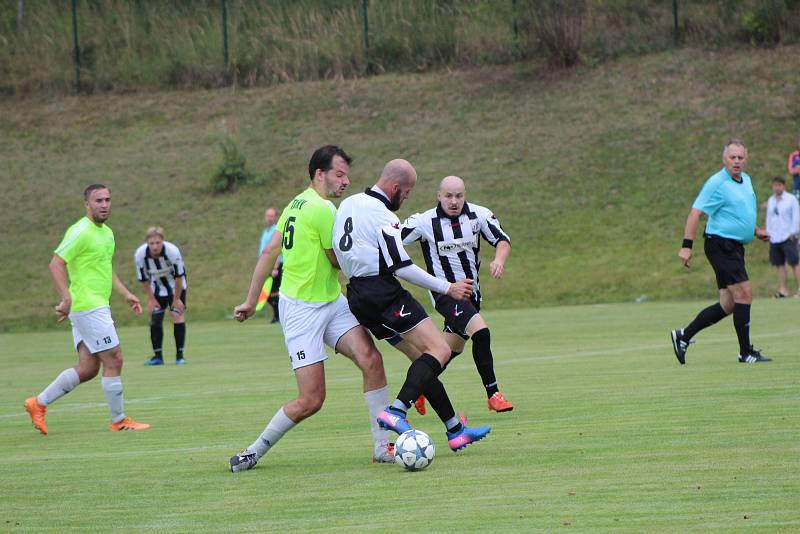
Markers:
<point>419,405</point>
<point>383,454</point>
<point>37,412</point>
<point>679,345</point>
<point>155,360</point>
<point>498,403</point>
<point>127,424</point>
<point>243,461</point>
<point>392,419</point>
<point>180,361</point>
<point>465,436</point>
<point>752,356</point>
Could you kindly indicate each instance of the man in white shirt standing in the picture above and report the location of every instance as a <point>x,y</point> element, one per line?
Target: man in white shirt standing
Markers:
<point>783,226</point>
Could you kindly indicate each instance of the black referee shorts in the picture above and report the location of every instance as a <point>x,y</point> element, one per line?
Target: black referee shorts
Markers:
<point>276,282</point>
<point>726,257</point>
<point>382,305</point>
<point>457,313</point>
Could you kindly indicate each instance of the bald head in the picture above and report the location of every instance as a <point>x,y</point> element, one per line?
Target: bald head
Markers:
<point>452,195</point>
<point>270,216</point>
<point>399,171</point>
<point>397,180</point>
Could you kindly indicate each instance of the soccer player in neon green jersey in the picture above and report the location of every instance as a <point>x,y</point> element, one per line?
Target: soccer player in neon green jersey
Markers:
<point>313,311</point>
<point>83,275</point>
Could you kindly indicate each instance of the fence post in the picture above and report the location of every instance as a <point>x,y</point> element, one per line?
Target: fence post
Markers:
<point>225,30</point>
<point>676,32</point>
<point>75,45</point>
<point>365,10</point>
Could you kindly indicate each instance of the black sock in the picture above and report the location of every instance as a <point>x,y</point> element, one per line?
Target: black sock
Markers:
<point>157,331</point>
<point>180,338</point>
<point>452,355</point>
<point>741,322</point>
<point>711,315</point>
<point>440,402</point>
<point>482,354</point>
<point>420,373</point>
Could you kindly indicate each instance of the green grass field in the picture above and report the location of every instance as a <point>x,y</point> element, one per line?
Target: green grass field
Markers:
<point>609,434</point>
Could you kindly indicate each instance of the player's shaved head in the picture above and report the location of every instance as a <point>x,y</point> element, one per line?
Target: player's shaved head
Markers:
<point>451,195</point>
<point>399,171</point>
<point>451,183</point>
<point>397,180</point>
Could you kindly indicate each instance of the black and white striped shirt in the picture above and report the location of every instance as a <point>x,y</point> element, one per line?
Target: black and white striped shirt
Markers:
<point>160,270</point>
<point>451,245</point>
<point>366,236</point>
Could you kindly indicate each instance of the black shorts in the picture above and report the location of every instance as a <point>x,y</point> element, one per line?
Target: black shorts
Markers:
<point>382,305</point>
<point>783,253</point>
<point>165,303</point>
<point>276,282</point>
<point>726,257</point>
<point>457,313</point>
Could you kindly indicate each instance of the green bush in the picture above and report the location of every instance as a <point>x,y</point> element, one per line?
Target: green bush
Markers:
<point>232,170</point>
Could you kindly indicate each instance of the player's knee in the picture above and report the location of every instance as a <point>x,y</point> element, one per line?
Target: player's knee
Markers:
<point>309,405</point>
<point>87,372</point>
<point>371,362</point>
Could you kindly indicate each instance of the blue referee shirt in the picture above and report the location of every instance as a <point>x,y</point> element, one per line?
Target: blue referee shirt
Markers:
<point>730,206</point>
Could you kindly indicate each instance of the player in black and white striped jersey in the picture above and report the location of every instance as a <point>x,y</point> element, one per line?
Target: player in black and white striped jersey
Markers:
<point>450,236</point>
<point>369,250</point>
<point>160,269</point>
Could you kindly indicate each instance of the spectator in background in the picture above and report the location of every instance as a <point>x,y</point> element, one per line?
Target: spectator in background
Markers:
<point>783,227</point>
<point>794,169</point>
<point>270,219</point>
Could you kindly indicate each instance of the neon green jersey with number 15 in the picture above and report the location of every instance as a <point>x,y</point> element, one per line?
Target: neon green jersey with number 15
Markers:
<point>307,228</point>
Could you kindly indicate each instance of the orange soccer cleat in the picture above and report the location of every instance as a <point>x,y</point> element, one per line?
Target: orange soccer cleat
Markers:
<point>419,404</point>
<point>36,412</point>
<point>127,424</point>
<point>498,403</point>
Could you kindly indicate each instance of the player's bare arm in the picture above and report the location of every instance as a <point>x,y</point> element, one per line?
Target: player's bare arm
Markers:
<point>689,231</point>
<point>332,257</point>
<point>152,303</point>
<point>762,234</point>
<point>500,256</point>
<point>130,298</point>
<point>264,266</point>
<point>58,272</point>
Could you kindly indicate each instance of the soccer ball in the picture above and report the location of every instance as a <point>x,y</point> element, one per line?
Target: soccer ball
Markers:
<point>414,450</point>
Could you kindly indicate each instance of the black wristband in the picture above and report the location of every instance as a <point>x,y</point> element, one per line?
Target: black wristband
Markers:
<point>687,243</point>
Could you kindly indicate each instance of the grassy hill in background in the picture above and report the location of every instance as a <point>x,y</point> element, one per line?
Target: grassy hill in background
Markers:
<point>591,171</point>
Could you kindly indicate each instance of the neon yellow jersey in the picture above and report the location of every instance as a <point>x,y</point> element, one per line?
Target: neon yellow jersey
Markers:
<point>87,250</point>
<point>307,228</point>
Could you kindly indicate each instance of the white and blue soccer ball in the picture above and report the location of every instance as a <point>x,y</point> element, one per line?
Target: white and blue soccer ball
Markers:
<point>414,450</point>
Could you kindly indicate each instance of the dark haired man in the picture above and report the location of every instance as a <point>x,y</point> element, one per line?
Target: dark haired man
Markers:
<point>728,199</point>
<point>783,226</point>
<point>83,275</point>
<point>313,311</point>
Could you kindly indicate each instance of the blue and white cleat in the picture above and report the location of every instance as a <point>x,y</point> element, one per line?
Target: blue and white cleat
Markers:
<point>155,360</point>
<point>394,420</point>
<point>465,436</point>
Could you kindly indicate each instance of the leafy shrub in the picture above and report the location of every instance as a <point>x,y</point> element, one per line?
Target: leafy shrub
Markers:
<point>232,170</point>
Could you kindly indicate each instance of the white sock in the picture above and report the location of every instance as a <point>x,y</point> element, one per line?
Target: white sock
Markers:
<point>112,387</point>
<point>376,400</point>
<point>63,384</point>
<point>276,428</point>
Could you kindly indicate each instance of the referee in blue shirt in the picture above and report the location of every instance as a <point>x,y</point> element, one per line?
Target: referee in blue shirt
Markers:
<point>728,199</point>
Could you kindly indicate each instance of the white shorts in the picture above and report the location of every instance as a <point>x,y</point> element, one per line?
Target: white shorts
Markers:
<point>95,328</point>
<point>307,325</point>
